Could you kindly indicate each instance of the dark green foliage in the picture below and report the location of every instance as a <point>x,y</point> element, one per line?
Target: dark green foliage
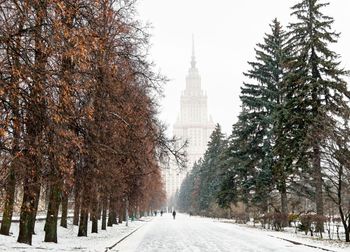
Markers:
<point>289,113</point>
<point>186,196</point>
<point>211,169</point>
<point>316,94</point>
<point>252,158</point>
<point>200,188</point>
<point>313,88</point>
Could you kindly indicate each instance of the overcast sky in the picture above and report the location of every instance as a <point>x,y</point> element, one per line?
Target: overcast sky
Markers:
<point>225,32</point>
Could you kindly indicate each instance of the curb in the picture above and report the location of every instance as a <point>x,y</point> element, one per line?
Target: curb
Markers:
<point>126,236</point>
<point>302,244</point>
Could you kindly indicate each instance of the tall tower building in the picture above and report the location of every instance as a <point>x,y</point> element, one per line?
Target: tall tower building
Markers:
<point>193,124</point>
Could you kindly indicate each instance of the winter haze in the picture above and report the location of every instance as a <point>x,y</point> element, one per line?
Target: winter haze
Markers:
<point>225,34</point>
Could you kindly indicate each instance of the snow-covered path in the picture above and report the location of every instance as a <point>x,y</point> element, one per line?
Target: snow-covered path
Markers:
<point>200,234</point>
<point>164,234</point>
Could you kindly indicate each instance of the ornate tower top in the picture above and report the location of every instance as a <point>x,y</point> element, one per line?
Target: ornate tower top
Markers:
<point>193,79</point>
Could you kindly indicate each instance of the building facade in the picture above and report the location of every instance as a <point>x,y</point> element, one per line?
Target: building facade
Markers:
<point>193,125</point>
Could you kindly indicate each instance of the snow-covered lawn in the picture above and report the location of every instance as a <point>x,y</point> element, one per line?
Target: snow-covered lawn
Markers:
<point>67,238</point>
<point>162,233</point>
<point>290,235</point>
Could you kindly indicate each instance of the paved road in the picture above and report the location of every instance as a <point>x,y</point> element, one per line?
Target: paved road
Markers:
<point>200,234</point>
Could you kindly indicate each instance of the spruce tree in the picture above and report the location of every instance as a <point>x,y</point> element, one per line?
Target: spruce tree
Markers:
<point>235,185</point>
<point>211,169</point>
<point>200,188</point>
<point>314,92</point>
<point>184,202</point>
<point>252,147</point>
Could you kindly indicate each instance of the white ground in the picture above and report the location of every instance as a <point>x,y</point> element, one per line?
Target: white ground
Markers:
<point>67,238</point>
<point>162,233</point>
<point>201,234</point>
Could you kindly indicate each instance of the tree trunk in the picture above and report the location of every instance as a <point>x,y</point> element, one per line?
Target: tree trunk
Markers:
<point>84,213</point>
<point>35,125</point>
<point>10,187</point>
<point>52,214</point>
<point>77,201</point>
<point>9,201</point>
<point>112,215</point>
<point>64,209</point>
<point>127,212</point>
<point>99,210</point>
<point>36,205</point>
<point>83,223</point>
<point>138,212</point>
<point>104,213</point>
<point>284,204</point>
<point>94,213</point>
<point>121,214</point>
<point>28,213</point>
<point>347,233</point>
<point>340,204</point>
<point>318,186</point>
<point>94,226</point>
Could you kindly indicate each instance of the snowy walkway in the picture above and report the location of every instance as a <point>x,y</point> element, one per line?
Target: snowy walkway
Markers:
<point>163,234</point>
<point>202,234</point>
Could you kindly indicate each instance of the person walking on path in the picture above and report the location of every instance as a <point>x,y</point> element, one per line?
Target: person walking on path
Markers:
<point>174,214</point>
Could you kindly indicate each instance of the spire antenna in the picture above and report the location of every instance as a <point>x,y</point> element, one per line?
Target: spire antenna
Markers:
<point>193,60</point>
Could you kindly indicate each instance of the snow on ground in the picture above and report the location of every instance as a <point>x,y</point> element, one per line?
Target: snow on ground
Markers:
<point>67,238</point>
<point>202,234</point>
<point>300,237</point>
<point>162,233</point>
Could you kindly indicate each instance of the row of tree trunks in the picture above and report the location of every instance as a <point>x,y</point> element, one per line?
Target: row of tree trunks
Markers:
<point>72,84</point>
<point>56,197</point>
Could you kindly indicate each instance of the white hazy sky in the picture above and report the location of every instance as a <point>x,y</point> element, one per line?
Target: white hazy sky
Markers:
<point>226,32</point>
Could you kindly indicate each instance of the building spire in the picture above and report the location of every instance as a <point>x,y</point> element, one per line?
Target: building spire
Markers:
<point>193,60</point>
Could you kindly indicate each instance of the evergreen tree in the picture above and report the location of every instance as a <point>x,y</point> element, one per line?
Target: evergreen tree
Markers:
<point>201,186</point>
<point>235,185</point>
<point>314,92</point>
<point>254,136</point>
<point>186,196</point>
<point>210,171</point>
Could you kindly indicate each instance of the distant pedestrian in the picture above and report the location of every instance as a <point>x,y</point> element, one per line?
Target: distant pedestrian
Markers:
<point>161,212</point>
<point>174,214</point>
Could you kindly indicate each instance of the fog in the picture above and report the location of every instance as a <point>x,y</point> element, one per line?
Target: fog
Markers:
<point>225,32</point>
